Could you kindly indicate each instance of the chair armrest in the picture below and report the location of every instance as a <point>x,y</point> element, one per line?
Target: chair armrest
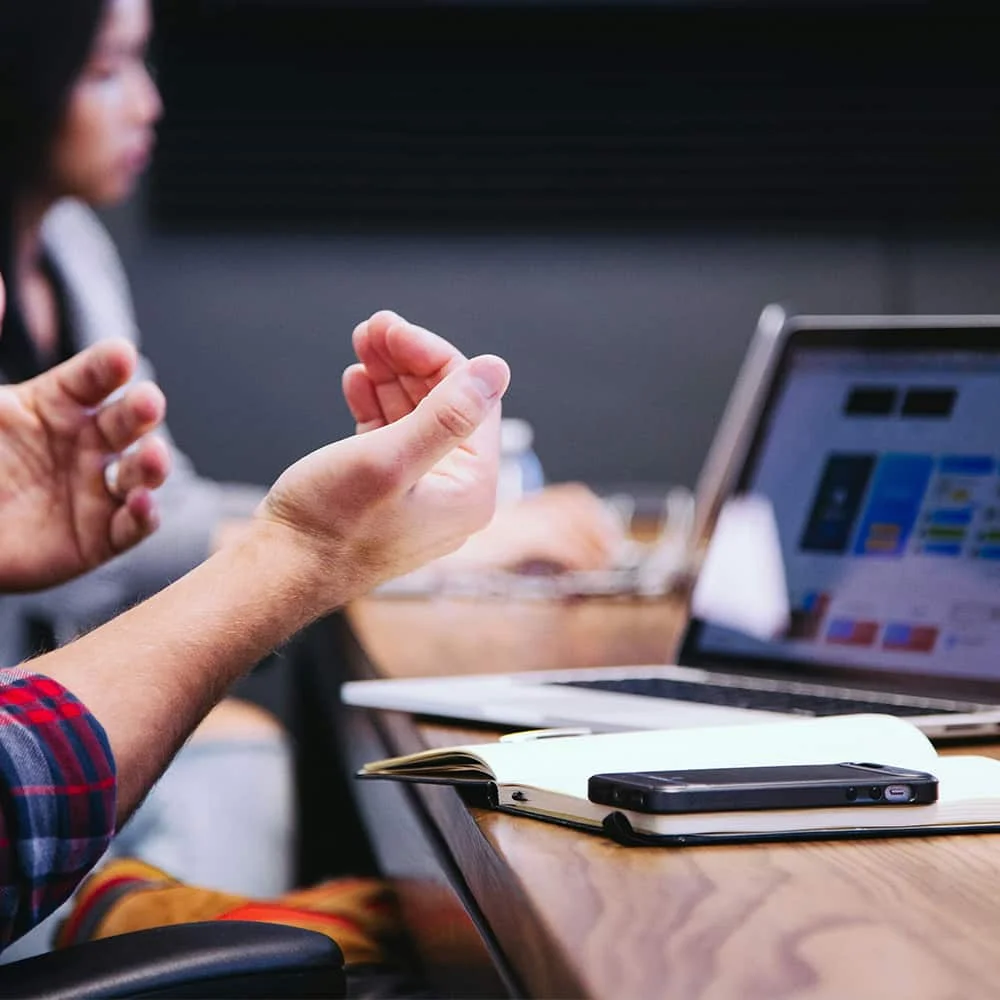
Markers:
<point>225,958</point>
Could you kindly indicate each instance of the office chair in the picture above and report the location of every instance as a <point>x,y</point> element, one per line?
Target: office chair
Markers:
<point>223,958</point>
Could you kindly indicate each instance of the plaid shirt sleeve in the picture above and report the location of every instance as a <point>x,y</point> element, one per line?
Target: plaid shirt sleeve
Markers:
<point>57,798</point>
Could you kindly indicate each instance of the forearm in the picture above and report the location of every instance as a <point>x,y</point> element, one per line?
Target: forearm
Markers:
<point>339,521</point>
<point>150,675</point>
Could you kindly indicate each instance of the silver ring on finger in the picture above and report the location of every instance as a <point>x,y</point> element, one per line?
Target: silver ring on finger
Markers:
<point>111,471</point>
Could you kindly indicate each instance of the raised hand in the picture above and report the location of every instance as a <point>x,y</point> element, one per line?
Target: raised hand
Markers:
<point>399,364</point>
<point>565,527</point>
<point>418,480</point>
<point>60,512</point>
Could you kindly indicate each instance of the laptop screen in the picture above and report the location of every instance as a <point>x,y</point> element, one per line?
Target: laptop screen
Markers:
<point>883,467</point>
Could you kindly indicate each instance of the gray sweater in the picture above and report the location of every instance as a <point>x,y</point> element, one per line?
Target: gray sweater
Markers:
<point>99,305</point>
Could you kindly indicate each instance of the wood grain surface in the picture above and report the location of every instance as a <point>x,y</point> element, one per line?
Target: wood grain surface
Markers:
<point>414,638</point>
<point>577,915</point>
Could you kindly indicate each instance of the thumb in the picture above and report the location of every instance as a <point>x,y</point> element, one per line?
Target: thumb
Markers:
<point>88,378</point>
<point>448,415</point>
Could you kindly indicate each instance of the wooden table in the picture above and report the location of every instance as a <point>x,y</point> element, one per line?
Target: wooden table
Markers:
<point>561,913</point>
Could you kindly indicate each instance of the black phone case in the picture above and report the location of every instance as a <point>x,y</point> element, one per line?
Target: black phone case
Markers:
<point>858,787</point>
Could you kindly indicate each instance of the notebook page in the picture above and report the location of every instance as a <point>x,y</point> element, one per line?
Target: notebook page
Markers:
<point>565,764</point>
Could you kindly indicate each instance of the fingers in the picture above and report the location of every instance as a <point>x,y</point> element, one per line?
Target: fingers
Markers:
<point>145,467</point>
<point>123,421</point>
<point>92,375</point>
<point>386,344</point>
<point>136,519</point>
<point>449,416</point>
<point>583,510</point>
<point>565,550</point>
<point>362,400</point>
<point>403,361</point>
<point>564,527</point>
<point>140,470</point>
<point>590,528</point>
<point>587,549</point>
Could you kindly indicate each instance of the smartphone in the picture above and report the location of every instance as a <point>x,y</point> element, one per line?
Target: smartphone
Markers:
<point>800,786</point>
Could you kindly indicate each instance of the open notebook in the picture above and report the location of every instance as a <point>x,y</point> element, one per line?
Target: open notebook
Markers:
<point>546,777</point>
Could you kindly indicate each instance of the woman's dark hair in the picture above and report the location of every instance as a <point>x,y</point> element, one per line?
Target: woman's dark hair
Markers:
<point>44,46</point>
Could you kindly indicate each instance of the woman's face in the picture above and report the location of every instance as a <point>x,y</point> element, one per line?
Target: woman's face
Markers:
<point>106,136</point>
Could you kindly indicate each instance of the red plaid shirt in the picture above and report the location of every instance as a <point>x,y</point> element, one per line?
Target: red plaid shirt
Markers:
<point>57,798</point>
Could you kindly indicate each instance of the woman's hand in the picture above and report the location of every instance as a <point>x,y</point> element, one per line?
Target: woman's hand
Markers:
<point>561,528</point>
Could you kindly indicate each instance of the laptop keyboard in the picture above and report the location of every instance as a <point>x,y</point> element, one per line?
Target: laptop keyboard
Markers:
<point>772,700</point>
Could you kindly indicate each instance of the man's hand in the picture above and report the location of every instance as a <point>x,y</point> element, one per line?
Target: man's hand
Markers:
<point>418,479</point>
<point>413,486</point>
<point>58,433</point>
<point>399,364</point>
<point>565,527</point>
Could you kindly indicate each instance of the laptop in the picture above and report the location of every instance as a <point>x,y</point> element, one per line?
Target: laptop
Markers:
<point>877,442</point>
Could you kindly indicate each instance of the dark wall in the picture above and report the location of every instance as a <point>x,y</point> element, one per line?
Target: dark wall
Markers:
<point>319,117</point>
<point>800,169</point>
<point>622,350</point>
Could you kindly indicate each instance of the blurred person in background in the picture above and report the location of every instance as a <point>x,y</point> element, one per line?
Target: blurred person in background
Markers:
<point>78,110</point>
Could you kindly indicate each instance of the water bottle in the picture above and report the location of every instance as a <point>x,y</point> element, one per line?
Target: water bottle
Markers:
<point>520,468</point>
